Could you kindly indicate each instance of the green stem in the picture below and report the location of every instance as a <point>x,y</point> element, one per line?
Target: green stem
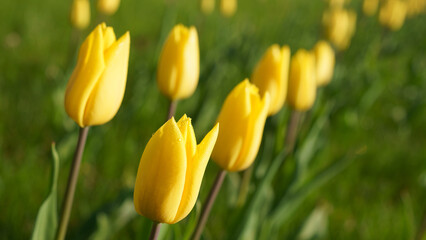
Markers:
<point>208,205</point>
<point>72,182</point>
<point>172,109</point>
<point>245,185</point>
<point>155,231</point>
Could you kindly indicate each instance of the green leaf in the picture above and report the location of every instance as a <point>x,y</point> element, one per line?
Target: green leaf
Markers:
<point>47,218</point>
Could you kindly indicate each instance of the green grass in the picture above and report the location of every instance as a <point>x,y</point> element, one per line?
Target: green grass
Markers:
<point>376,96</point>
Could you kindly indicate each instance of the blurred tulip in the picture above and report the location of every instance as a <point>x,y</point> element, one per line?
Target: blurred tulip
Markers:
<point>108,7</point>
<point>80,14</point>
<point>340,26</point>
<point>241,120</point>
<point>392,14</point>
<point>96,87</point>
<point>228,7</point>
<point>171,171</point>
<point>179,64</point>
<point>369,7</point>
<point>271,75</point>
<point>324,62</point>
<point>207,6</point>
<point>415,7</point>
<point>302,83</point>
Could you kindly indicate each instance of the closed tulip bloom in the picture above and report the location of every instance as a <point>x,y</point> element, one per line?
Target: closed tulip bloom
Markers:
<point>80,14</point>
<point>228,7</point>
<point>241,120</point>
<point>207,6</point>
<point>324,62</point>
<point>179,64</point>
<point>96,87</point>
<point>392,14</point>
<point>340,26</point>
<point>415,7</point>
<point>369,7</point>
<point>108,7</point>
<point>171,170</point>
<point>302,83</point>
<point>271,75</point>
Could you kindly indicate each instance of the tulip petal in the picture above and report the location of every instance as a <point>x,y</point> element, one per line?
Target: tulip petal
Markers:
<point>189,65</point>
<point>254,133</point>
<point>188,134</point>
<point>89,68</point>
<point>233,120</point>
<point>106,97</point>
<point>194,175</point>
<point>161,175</point>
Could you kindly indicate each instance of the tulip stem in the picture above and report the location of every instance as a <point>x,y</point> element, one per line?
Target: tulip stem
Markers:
<point>292,127</point>
<point>172,109</point>
<point>245,185</point>
<point>208,205</point>
<point>72,182</point>
<point>155,231</point>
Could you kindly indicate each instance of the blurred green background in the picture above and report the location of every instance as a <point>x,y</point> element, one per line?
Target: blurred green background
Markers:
<point>375,106</point>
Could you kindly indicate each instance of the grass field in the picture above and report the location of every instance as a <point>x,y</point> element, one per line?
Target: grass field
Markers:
<point>374,107</point>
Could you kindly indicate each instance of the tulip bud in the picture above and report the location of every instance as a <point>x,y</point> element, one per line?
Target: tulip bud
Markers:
<point>392,14</point>
<point>108,7</point>
<point>96,87</point>
<point>271,75</point>
<point>340,26</point>
<point>369,7</point>
<point>302,82</point>
<point>207,6</point>
<point>179,64</point>
<point>241,120</point>
<point>80,14</point>
<point>415,7</point>
<point>324,62</point>
<point>228,7</point>
<point>171,170</point>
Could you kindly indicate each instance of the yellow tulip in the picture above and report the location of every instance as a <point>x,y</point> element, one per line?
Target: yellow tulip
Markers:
<point>108,7</point>
<point>207,6</point>
<point>241,120</point>
<point>271,75</point>
<point>228,7</point>
<point>302,82</point>
<point>415,7</point>
<point>179,64</point>
<point>392,14</point>
<point>171,170</point>
<point>96,87</point>
<point>324,62</point>
<point>369,7</point>
<point>80,14</point>
<point>340,26</point>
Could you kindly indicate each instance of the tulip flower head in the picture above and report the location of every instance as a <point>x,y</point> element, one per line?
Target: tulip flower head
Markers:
<point>242,119</point>
<point>228,7</point>
<point>324,62</point>
<point>271,75</point>
<point>302,83</point>
<point>80,14</point>
<point>96,87</point>
<point>207,6</point>
<point>369,7</point>
<point>179,64</point>
<point>171,170</point>
<point>392,14</point>
<point>339,26</point>
<point>108,7</point>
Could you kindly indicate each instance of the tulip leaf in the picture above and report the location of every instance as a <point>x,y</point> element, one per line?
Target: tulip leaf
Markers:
<point>293,199</point>
<point>47,218</point>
